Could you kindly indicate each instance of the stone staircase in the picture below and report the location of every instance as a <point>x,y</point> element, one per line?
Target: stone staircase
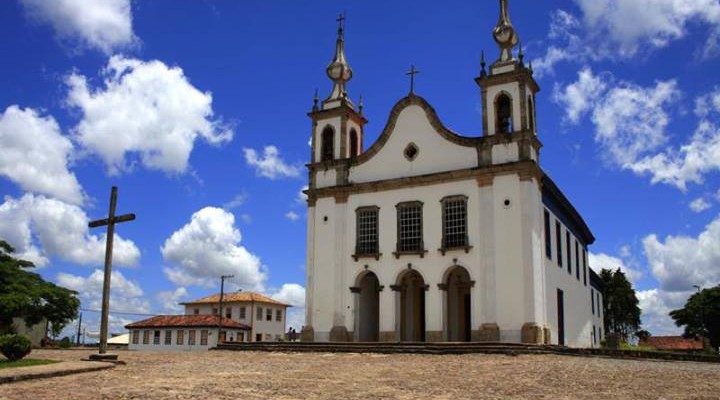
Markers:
<point>391,347</point>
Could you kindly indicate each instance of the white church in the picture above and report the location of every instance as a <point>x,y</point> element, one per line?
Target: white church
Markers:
<point>428,235</point>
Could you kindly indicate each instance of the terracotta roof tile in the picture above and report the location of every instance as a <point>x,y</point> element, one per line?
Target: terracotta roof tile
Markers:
<point>237,297</point>
<point>164,321</point>
<point>673,343</point>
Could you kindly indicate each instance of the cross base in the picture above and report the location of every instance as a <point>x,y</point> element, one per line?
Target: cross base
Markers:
<point>107,357</point>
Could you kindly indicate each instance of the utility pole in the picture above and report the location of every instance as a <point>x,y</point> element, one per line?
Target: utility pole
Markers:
<point>220,307</point>
<point>77,342</point>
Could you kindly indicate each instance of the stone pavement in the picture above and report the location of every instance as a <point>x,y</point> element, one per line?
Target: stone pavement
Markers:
<point>51,370</point>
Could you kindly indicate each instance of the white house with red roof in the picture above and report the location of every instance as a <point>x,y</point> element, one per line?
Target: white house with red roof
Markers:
<point>183,332</point>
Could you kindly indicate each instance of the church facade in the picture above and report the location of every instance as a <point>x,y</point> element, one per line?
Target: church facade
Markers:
<point>428,235</point>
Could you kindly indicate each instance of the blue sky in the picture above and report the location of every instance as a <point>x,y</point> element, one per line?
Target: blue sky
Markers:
<point>197,111</point>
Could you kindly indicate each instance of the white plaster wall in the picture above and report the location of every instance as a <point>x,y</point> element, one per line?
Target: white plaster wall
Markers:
<point>436,154</point>
<point>578,313</point>
<point>326,178</point>
<point>322,308</point>
<point>505,153</point>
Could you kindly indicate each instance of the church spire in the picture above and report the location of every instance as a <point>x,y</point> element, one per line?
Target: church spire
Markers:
<point>339,70</point>
<point>504,33</point>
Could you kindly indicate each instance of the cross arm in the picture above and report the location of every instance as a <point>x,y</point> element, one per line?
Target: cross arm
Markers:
<point>115,220</point>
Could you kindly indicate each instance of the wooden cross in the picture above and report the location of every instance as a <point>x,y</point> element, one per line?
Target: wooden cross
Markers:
<point>110,222</point>
<point>412,74</point>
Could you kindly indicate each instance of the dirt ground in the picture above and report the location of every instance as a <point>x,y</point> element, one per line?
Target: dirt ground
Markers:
<point>257,375</point>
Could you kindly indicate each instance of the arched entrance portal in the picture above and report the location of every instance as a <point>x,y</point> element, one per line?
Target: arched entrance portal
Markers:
<point>412,307</point>
<point>369,308</point>
<point>458,305</point>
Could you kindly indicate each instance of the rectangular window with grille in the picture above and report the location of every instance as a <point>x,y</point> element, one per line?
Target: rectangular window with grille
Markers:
<point>242,312</point>
<point>228,313</point>
<point>268,314</point>
<point>146,337</point>
<point>455,222</point>
<point>180,337</point>
<point>410,235</point>
<point>548,239</point>
<point>259,314</point>
<point>156,337</point>
<point>278,315</point>
<point>191,337</point>
<point>136,337</point>
<point>204,337</point>
<point>168,336</point>
<point>367,242</point>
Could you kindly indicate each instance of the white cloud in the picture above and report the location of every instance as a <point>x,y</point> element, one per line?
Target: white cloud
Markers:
<point>105,25</point>
<point>602,261</point>
<point>170,299</point>
<point>35,155</point>
<point>236,202</point>
<point>563,43</point>
<point>293,294</point>
<point>270,165</point>
<point>207,247</point>
<point>301,196</point>
<point>61,230</point>
<point>656,305</point>
<point>145,109</point>
<point>626,26</point>
<point>699,205</point>
<point>579,97</point>
<point>679,262</point>
<point>292,216</point>
<point>125,295</point>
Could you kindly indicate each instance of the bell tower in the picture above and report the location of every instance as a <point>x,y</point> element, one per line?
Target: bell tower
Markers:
<point>508,91</point>
<point>338,125</point>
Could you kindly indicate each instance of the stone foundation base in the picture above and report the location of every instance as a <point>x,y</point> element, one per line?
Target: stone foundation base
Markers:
<point>339,334</point>
<point>488,333</point>
<point>387,336</point>
<point>433,336</point>
<point>532,333</point>
<point>307,334</point>
<point>548,335</point>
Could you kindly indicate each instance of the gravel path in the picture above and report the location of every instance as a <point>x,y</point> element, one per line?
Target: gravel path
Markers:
<point>257,375</point>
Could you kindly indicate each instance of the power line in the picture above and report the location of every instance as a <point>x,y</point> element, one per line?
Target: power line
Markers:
<point>120,312</point>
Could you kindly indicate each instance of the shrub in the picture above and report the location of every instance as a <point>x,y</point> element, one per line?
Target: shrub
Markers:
<point>14,347</point>
<point>65,343</point>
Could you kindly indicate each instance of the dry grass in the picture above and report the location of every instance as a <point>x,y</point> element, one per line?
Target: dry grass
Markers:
<point>251,375</point>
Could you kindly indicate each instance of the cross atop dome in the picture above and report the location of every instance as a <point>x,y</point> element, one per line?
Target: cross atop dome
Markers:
<point>339,70</point>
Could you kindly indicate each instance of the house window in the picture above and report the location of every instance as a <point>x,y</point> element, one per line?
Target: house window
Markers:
<point>191,337</point>
<point>203,337</point>
<point>268,314</point>
<point>599,305</point>
<point>531,114</point>
<point>584,260</point>
<point>196,311</point>
<point>548,240</point>
<point>577,260</point>
<point>592,300</point>
<point>569,251</point>
<point>278,315</point>
<point>503,107</point>
<point>367,242</point>
<point>214,311</point>
<point>180,337</point>
<point>259,313</point>
<point>558,243</point>
<point>594,337</point>
<point>168,336</point>
<point>146,337</point>
<point>136,336</point>
<point>410,237</point>
<point>455,222</point>
<point>328,144</point>
<point>228,313</point>
<point>242,313</point>
<point>156,337</point>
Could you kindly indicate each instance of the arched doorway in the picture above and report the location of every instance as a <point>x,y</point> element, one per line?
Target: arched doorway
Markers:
<point>412,307</point>
<point>458,311</point>
<point>369,308</point>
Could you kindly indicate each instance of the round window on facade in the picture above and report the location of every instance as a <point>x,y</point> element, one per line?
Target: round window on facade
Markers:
<point>411,152</point>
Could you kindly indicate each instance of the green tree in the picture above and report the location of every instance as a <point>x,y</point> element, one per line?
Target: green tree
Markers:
<point>701,316</point>
<point>26,295</point>
<point>620,305</point>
